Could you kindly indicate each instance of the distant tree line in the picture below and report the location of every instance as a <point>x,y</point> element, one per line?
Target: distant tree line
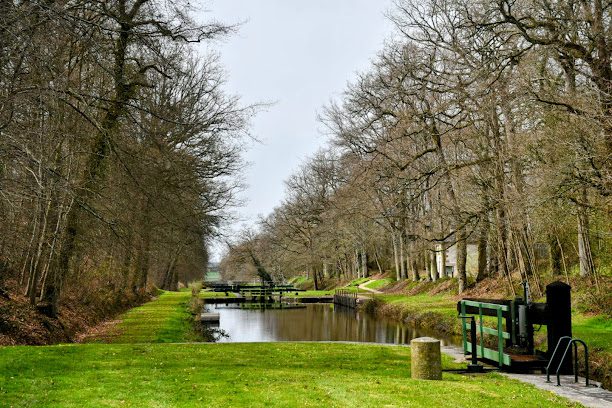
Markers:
<point>484,123</point>
<point>118,147</point>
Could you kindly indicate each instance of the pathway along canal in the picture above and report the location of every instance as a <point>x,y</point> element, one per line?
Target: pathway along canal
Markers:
<point>315,322</point>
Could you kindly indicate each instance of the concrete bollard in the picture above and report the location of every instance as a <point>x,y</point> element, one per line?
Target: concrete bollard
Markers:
<point>426,358</point>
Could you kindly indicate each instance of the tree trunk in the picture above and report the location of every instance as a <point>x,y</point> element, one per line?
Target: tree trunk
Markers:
<point>376,258</point>
<point>492,265</point>
<point>415,269</point>
<point>396,256</point>
<point>554,255</point>
<point>584,243</point>
<point>442,270</point>
<point>482,251</point>
<point>433,266</point>
<point>364,263</point>
<point>34,266</point>
<point>403,259</point>
<point>171,277</point>
<point>460,236</point>
<point>315,278</point>
<point>26,254</point>
<point>461,259</point>
<point>142,263</point>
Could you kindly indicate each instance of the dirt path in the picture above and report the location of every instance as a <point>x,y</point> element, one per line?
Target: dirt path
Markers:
<point>362,286</point>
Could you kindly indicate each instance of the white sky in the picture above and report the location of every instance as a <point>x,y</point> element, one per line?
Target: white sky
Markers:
<point>299,54</point>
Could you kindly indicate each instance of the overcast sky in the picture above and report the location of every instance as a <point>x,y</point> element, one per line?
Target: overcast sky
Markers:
<point>299,54</point>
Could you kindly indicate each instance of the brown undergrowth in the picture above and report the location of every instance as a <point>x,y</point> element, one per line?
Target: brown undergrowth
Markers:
<point>22,324</point>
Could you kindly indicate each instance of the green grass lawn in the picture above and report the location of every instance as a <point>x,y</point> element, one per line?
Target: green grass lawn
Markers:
<point>442,304</point>
<point>298,280</point>
<point>309,293</point>
<point>207,294</point>
<point>165,319</point>
<point>596,331</point>
<point>379,283</point>
<point>243,375</point>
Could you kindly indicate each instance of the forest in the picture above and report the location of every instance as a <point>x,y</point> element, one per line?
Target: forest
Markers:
<point>464,185</point>
<point>118,149</point>
<point>482,132</point>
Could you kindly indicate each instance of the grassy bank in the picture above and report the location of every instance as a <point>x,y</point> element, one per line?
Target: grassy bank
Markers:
<point>165,319</point>
<point>379,283</point>
<point>431,312</point>
<point>242,375</point>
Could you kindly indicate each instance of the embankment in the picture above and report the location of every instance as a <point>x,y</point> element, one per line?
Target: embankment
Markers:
<point>22,324</point>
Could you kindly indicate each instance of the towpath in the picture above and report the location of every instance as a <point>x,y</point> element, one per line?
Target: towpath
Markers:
<point>592,396</point>
<point>364,287</point>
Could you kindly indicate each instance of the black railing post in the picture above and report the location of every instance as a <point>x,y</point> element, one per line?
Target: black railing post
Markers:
<point>473,367</point>
<point>576,362</point>
<point>473,340</point>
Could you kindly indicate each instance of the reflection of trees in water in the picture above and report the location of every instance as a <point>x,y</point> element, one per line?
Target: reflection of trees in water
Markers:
<point>326,323</point>
<point>315,323</point>
<point>211,333</point>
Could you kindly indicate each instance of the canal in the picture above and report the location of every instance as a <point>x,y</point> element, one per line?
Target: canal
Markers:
<point>315,322</point>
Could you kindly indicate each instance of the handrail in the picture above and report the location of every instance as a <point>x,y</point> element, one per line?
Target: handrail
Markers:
<point>346,297</point>
<point>572,341</point>
<point>351,292</point>
<point>503,308</point>
<point>496,355</point>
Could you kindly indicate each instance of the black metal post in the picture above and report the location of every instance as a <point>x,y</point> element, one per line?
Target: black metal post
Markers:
<point>474,367</point>
<point>473,341</point>
<point>576,362</point>
<point>559,311</point>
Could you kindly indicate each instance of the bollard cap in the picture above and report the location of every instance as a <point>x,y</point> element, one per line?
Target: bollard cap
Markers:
<point>425,340</point>
<point>558,285</point>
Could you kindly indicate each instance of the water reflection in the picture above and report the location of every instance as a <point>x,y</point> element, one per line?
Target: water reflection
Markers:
<point>314,323</point>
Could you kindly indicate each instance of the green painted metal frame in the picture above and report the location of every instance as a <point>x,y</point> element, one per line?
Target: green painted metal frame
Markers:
<point>483,352</point>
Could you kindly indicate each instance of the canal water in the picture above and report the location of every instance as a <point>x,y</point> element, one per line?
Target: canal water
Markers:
<point>315,322</point>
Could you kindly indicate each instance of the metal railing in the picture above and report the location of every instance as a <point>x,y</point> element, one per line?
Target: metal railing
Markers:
<point>346,297</point>
<point>574,342</point>
<point>495,355</point>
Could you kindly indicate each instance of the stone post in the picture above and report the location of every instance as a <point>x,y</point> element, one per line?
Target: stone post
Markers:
<point>426,358</point>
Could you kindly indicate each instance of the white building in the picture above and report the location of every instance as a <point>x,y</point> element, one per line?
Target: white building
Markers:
<point>451,260</point>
